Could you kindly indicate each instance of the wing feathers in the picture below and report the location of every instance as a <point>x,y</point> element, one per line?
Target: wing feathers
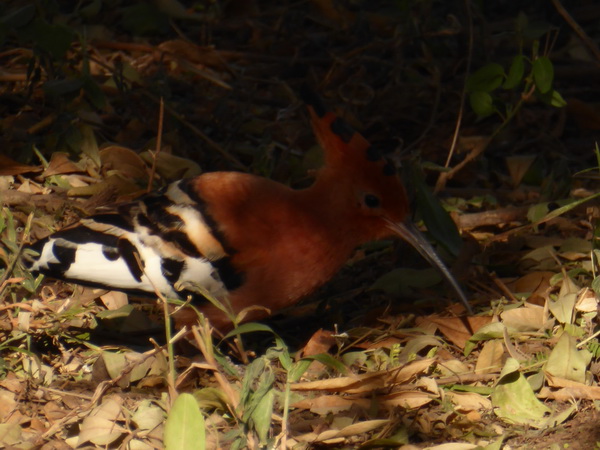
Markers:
<point>161,241</point>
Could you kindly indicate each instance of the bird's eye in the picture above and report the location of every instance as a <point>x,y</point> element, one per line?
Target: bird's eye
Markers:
<point>372,201</point>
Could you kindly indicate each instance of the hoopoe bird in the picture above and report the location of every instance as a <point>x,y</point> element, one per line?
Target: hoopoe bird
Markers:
<point>244,239</point>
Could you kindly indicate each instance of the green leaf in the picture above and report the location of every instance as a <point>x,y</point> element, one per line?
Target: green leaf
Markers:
<point>564,307</point>
<point>147,416</point>
<point>283,354</point>
<point>88,144</point>
<point>557,100</point>
<point>184,427</point>
<point>486,79</point>
<point>261,416</point>
<point>123,311</point>
<point>439,223</point>
<point>114,362</point>
<point>513,399</point>
<point>596,285</point>
<point>298,370</point>
<point>566,361</point>
<point>54,39</point>
<point>567,207</point>
<point>543,74</point>
<point>250,327</point>
<point>552,98</point>
<point>329,361</point>
<point>537,212</point>
<point>515,72</point>
<point>254,371</point>
<point>482,103</point>
<point>494,330</point>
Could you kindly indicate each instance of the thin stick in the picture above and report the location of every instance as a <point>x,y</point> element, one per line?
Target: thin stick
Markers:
<point>590,44</point>
<point>212,144</point>
<point>13,262</point>
<point>441,182</point>
<point>161,116</point>
<point>170,348</point>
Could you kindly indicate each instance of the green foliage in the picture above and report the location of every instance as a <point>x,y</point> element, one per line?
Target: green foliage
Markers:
<point>543,73</point>
<point>184,427</point>
<point>515,73</point>
<point>439,223</point>
<point>484,85</point>
<point>30,28</point>
<point>526,76</point>
<point>514,400</point>
<point>11,240</point>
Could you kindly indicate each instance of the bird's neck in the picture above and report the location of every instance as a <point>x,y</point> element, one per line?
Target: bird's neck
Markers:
<point>331,200</point>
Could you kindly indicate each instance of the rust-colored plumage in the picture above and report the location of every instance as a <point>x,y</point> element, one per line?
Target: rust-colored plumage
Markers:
<point>243,238</point>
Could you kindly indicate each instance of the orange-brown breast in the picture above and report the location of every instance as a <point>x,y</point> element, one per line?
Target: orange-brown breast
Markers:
<point>286,243</point>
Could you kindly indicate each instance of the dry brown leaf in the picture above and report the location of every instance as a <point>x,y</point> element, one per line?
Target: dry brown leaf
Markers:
<point>569,393</point>
<point>7,404</point>
<point>527,318</point>
<point>369,381</point>
<point>407,399</point>
<point>172,167</point>
<point>12,384</point>
<point>114,300</point>
<point>116,183</point>
<point>208,56</point>
<point>355,429</point>
<point>10,435</point>
<point>490,358</point>
<point>54,411</point>
<point>330,404</point>
<point>469,401</point>
<point>6,182</point>
<point>30,187</point>
<point>11,167</point>
<point>24,318</point>
<point>455,329</point>
<point>320,342</point>
<point>60,164</point>
<point>538,283</point>
<point>453,446</point>
<point>518,165</point>
<point>587,302</point>
<point>427,384</point>
<point>533,281</point>
<point>387,342</point>
<point>124,162</point>
<point>81,296</point>
<point>100,426</point>
<point>453,367</point>
<point>558,382</point>
<point>151,382</point>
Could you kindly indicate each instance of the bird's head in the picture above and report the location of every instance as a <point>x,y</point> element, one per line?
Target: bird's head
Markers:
<point>366,186</point>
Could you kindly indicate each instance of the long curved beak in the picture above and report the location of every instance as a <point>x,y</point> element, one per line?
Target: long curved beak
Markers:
<point>413,236</point>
